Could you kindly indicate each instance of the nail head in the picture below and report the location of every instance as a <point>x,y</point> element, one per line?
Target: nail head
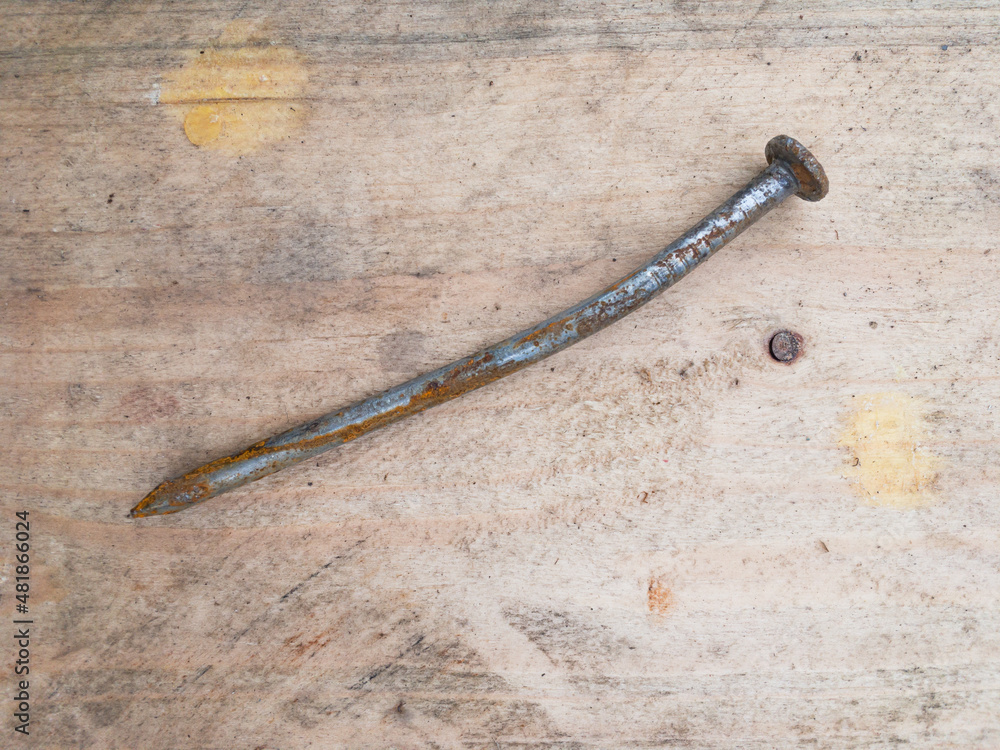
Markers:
<point>785,346</point>
<point>813,183</point>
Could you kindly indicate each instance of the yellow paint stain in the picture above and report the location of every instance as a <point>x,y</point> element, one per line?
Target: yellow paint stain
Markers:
<point>203,124</point>
<point>239,93</point>
<point>890,463</point>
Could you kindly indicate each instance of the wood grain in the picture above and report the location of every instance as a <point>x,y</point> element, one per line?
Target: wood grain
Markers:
<point>658,538</point>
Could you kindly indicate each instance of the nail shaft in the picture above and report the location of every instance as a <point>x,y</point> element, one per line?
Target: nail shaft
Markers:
<point>791,170</point>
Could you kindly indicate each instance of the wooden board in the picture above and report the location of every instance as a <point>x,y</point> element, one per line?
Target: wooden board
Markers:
<point>220,220</point>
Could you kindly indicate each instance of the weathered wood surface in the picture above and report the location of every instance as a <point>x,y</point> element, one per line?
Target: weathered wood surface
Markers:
<point>222,219</point>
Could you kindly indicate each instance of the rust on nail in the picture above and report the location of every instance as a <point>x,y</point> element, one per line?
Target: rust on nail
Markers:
<point>791,170</point>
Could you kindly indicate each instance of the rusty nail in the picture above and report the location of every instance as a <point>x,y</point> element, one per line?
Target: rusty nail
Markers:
<point>791,170</point>
<point>785,346</point>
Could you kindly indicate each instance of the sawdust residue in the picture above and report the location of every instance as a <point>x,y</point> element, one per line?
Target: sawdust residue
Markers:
<point>891,464</point>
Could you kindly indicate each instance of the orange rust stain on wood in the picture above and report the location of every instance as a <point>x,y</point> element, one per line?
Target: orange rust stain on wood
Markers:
<point>659,597</point>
